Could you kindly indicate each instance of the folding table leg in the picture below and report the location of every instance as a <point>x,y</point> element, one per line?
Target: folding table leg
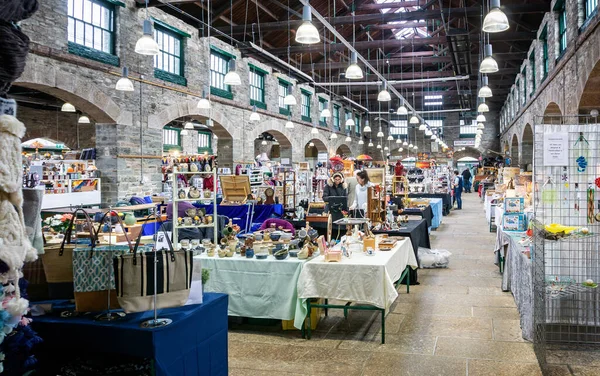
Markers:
<point>308,323</point>
<point>383,326</point>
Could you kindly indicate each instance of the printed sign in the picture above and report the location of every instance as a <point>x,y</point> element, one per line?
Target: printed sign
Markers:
<point>556,149</point>
<point>465,142</point>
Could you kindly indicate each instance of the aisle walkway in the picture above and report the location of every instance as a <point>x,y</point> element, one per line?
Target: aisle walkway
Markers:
<point>457,322</point>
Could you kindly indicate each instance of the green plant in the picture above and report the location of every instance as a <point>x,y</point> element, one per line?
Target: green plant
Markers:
<point>205,276</point>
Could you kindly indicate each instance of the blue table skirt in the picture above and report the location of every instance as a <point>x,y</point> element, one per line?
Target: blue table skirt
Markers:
<point>194,344</point>
<point>239,213</point>
<point>437,206</point>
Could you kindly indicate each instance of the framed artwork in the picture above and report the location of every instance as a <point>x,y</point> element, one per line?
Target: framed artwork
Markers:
<point>376,175</point>
<point>303,166</point>
<point>514,205</point>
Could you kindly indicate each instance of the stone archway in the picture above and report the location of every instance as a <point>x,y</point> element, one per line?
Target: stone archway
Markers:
<point>514,151</point>
<point>552,114</point>
<point>343,150</point>
<point>313,147</point>
<point>278,148</point>
<point>527,148</point>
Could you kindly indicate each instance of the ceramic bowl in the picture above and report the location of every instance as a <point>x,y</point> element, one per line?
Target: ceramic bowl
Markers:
<point>258,236</point>
<point>281,255</point>
<point>294,253</point>
<point>275,236</point>
<point>249,253</point>
<point>286,236</point>
<point>261,256</point>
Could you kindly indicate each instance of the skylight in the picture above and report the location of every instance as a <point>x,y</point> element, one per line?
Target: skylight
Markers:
<point>403,33</point>
<point>433,103</point>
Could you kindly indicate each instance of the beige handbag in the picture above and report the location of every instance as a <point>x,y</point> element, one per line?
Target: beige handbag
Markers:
<point>135,277</point>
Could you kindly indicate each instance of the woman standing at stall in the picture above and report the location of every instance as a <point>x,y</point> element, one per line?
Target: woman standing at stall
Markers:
<point>360,199</point>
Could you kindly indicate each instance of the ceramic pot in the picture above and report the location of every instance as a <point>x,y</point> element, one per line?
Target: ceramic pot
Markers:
<point>130,219</point>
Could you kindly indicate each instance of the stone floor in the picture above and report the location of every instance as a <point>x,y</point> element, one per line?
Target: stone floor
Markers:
<point>456,322</point>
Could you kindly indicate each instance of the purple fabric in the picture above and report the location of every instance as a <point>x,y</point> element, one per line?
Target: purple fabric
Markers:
<point>278,222</point>
<point>182,206</point>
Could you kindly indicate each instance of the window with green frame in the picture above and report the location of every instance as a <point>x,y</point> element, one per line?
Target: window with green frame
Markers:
<point>257,87</point>
<point>347,115</point>
<point>169,63</point>
<point>205,142</point>
<point>533,76</point>
<point>282,90</point>
<point>468,130</point>
<point>91,29</point>
<point>305,105</point>
<point>590,8</point>
<point>171,138</point>
<point>322,120</point>
<point>524,97</point>
<point>562,27</point>
<point>219,66</point>
<point>516,94</point>
<point>357,124</point>
<point>545,62</point>
<point>336,118</point>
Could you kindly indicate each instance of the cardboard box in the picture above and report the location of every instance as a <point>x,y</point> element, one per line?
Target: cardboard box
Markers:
<point>514,205</point>
<point>514,222</point>
<point>315,316</point>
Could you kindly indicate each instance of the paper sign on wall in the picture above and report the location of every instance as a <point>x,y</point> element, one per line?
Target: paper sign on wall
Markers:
<point>556,149</point>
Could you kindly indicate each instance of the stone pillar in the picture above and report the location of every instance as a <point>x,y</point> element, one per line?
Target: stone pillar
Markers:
<point>106,160</point>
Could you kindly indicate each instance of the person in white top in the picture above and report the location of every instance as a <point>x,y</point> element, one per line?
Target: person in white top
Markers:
<point>360,199</point>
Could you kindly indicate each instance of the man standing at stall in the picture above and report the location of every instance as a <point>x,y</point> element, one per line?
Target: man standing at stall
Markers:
<point>466,174</point>
<point>457,188</point>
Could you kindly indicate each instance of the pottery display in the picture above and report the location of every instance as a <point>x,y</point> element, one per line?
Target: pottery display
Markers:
<point>222,253</point>
<point>193,192</point>
<point>275,236</point>
<point>129,219</point>
<point>281,255</point>
<point>261,256</point>
<point>249,253</point>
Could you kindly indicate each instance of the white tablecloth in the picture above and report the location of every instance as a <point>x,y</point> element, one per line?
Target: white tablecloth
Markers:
<point>256,288</point>
<point>488,206</point>
<point>361,278</point>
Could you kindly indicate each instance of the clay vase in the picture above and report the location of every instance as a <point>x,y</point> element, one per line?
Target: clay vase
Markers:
<point>130,219</point>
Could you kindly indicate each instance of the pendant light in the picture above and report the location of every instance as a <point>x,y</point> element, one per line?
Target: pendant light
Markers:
<point>428,132</point>
<point>410,146</point>
<point>333,136</point>
<point>384,95</point>
<point>367,128</point>
<point>350,122</point>
<point>495,21</point>
<point>378,146</point>
<point>311,144</point>
<point>390,138</point>
<point>124,83</point>
<point>146,45</point>
<point>370,143</point>
<point>361,142</point>
<point>415,147</point>
<point>386,148</point>
<point>480,126</point>
<point>264,142</point>
<point>402,109</point>
<point>433,137</point>
<point>479,131</point>
<point>485,91</point>
<point>483,107</point>
<point>307,33</point>
<point>348,138</point>
<point>232,78</point>
<point>67,107</point>
<point>188,125</point>
<point>325,113</point>
<point>314,130</point>
<point>422,127</point>
<point>289,99</point>
<point>488,65</point>
<point>480,118</point>
<point>204,103</point>
<point>380,133</point>
<point>289,124</point>
<point>405,143</point>
<point>83,120</point>
<point>414,119</point>
<point>254,116</point>
<point>398,141</point>
<point>354,71</point>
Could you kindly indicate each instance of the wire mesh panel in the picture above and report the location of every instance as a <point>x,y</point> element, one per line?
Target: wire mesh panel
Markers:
<point>567,211</point>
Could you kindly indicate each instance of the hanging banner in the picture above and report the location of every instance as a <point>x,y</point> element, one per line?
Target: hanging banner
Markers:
<point>556,149</point>
<point>465,142</point>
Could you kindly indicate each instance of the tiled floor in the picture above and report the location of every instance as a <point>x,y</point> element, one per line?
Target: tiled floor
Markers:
<point>456,322</point>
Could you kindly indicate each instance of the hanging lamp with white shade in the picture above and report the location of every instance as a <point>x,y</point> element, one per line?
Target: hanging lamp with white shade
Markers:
<point>354,71</point>
<point>289,124</point>
<point>289,99</point>
<point>489,64</point>
<point>402,110</point>
<point>480,126</point>
<point>370,143</point>
<point>378,146</point>
<point>307,33</point>
<point>83,120</point>
<point>400,150</point>
<point>204,103</point>
<point>484,91</point>
<point>367,128</point>
<point>410,146</point>
<point>414,119</point>
<point>415,147</point>
<point>314,130</point>
<point>333,136</point>
<point>390,138</point>
<point>325,112</point>
<point>384,94</point>
<point>405,143</point>
<point>480,118</point>
<point>188,125</point>
<point>483,107</point>
<point>254,116</point>
<point>495,21</point>
<point>68,107</point>
<point>350,122</point>
<point>422,126</point>
<point>361,142</point>
<point>264,142</point>
<point>433,137</point>
<point>311,144</point>
<point>348,138</point>
<point>232,78</point>
<point>146,45</point>
<point>398,141</point>
<point>380,133</point>
<point>428,132</point>
<point>124,83</point>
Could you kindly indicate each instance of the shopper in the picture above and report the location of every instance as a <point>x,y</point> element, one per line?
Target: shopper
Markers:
<point>335,187</point>
<point>466,174</point>
<point>457,188</point>
<point>360,201</point>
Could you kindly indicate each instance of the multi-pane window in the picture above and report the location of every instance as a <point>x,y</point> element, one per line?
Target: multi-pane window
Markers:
<point>590,8</point>
<point>347,115</point>
<point>336,118</point>
<point>171,138</point>
<point>282,90</point>
<point>91,24</point>
<point>524,97</point>
<point>169,59</point>
<point>305,106</point>
<point>204,142</point>
<point>218,69</point>
<point>516,94</point>
<point>357,124</point>
<point>322,120</point>
<point>399,128</point>
<point>533,76</point>
<point>257,87</point>
<point>545,65</point>
<point>435,123</point>
<point>562,29</point>
<point>468,129</point>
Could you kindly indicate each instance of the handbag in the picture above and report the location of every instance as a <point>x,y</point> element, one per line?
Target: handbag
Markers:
<point>58,261</point>
<point>135,277</point>
<point>92,274</point>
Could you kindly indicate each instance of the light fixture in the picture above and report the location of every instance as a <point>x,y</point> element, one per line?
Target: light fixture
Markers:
<point>311,144</point>
<point>254,116</point>
<point>361,142</point>
<point>325,113</point>
<point>405,143</point>
<point>67,107</point>
<point>485,91</point>
<point>307,33</point>
<point>204,103</point>
<point>414,119</point>
<point>348,138</point>
<point>428,132</point>
<point>480,118</point>
<point>370,144</point>
<point>410,146</point>
<point>188,125</point>
<point>124,83</point>
<point>146,45</point>
<point>495,21</point>
<point>390,138</point>
<point>354,71</point>
<point>479,131</point>
<point>384,95</point>
<point>184,132</point>
<point>350,122</point>
<point>386,148</point>
<point>398,141</point>
<point>367,128</point>
<point>83,120</point>
<point>434,137</point>
<point>333,136</point>
<point>289,124</point>
<point>402,109</point>
<point>400,150</point>
<point>422,127</point>
<point>380,133</point>
<point>415,147</point>
<point>483,107</point>
<point>264,142</point>
<point>314,130</point>
<point>289,99</point>
<point>480,126</point>
<point>488,65</point>
<point>378,146</point>
<point>232,78</point>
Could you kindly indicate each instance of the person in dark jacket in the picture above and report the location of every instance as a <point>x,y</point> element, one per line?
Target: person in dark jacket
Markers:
<point>466,174</point>
<point>336,187</point>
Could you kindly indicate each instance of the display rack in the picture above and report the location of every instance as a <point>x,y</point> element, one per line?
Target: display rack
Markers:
<point>289,190</point>
<point>213,199</point>
<point>375,204</point>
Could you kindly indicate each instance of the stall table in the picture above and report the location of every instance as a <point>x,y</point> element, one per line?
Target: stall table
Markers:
<point>426,213</point>
<point>419,236</point>
<point>368,280</point>
<point>447,199</point>
<point>240,213</point>
<point>256,288</point>
<point>437,206</point>
<point>194,344</point>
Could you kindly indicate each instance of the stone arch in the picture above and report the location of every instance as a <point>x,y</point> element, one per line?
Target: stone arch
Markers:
<point>552,114</point>
<point>527,147</point>
<point>319,147</point>
<point>590,96</point>
<point>514,151</point>
<point>282,149</point>
<point>68,87</point>
<point>344,150</point>
<point>506,147</point>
